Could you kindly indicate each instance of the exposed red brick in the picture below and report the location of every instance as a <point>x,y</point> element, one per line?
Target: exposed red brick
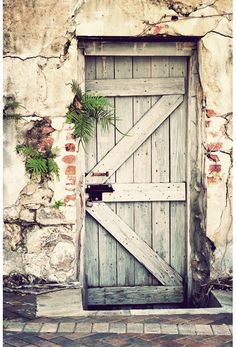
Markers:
<point>47,142</point>
<point>210,113</point>
<point>211,179</point>
<point>71,170</point>
<point>215,146</point>
<point>68,198</point>
<point>72,180</point>
<point>69,159</point>
<point>70,147</point>
<point>215,168</point>
<point>157,29</point>
<point>213,157</point>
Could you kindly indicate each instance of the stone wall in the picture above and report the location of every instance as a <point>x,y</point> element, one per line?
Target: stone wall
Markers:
<point>40,60</point>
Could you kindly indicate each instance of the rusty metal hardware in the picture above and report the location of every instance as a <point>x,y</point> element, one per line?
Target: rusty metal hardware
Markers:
<point>95,191</point>
<point>100,173</point>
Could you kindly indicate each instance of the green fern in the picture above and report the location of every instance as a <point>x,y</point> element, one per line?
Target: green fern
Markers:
<point>58,203</point>
<point>52,167</point>
<point>36,167</point>
<point>28,151</point>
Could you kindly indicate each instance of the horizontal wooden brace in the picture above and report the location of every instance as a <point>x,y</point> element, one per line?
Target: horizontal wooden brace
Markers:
<point>107,48</point>
<point>135,295</point>
<point>129,192</point>
<point>137,86</point>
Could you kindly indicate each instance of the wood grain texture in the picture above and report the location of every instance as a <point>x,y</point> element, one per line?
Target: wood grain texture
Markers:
<point>138,48</point>
<point>135,295</point>
<point>134,244</point>
<point>104,142</point>
<point>136,136</point>
<point>178,145</point>
<point>146,192</point>
<point>124,122</point>
<point>136,86</point>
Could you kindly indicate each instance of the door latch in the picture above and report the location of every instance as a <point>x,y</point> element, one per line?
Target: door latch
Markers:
<point>95,191</point>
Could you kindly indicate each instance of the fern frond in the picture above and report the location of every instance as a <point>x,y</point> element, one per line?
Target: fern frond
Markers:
<point>84,128</point>
<point>36,167</point>
<point>53,167</point>
<point>58,203</point>
<point>28,151</point>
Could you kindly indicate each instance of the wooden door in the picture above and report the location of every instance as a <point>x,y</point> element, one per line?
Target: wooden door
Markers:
<point>135,237</point>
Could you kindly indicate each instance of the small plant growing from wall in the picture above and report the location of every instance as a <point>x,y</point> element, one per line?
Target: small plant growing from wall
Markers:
<point>11,105</point>
<point>86,111</point>
<point>57,204</point>
<point>39,164</point>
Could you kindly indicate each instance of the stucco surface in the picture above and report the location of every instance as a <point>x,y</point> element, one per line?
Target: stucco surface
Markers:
<point>40,60</point>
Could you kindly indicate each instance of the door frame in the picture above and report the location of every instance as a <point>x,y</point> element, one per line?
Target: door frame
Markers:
<point>194,159</point>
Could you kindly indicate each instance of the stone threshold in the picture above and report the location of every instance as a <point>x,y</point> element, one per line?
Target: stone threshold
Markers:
<point>66,301</point>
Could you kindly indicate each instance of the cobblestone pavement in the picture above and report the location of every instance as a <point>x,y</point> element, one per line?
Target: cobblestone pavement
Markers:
<point>119,331</point>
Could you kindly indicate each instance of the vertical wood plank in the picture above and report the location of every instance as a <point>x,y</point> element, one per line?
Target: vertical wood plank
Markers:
<point>91,227</point>
<point>105,141</point>
<point>160,171</point>
<point>178,144</point>
<point>142,170</point>
<point>124,113</point>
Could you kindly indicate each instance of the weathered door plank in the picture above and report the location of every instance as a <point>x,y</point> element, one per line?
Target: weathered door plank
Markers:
<point>136,246</point>
<point>135,295</point>
<point>136,86</point>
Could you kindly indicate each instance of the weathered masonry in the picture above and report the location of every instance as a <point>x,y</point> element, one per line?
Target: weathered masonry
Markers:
<point>158,226</point>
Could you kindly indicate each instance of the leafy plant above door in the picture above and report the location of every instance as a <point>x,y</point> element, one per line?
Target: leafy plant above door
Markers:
<point>86,111</point>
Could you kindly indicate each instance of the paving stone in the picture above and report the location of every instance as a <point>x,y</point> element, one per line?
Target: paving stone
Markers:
<point>186,329</point>
<point>15,326</point>
<point>64,341</point>
<point>117,327</point>
<point>152,328</point>
<point>66,327</point>
<point>32,327</point>
<point>100,328</point>
<point>49,328</point>
<point>221,329</point>
<point>83,327</point>
<point>135,328</point>
<point>231,328</point>
<point>203,329</point>
<point>169,329</point>
<point>15,341</point>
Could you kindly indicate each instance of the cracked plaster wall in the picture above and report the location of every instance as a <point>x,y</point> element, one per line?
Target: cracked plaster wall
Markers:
<point>40,59</point>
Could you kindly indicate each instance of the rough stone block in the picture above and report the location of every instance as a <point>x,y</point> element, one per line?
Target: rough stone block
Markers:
<point>100,327</point>
<point>152,328</point>
<point>135,328</point>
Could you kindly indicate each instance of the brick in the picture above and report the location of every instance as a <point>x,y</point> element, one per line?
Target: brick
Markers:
<point>83,327</point>
<point>169,329</point>
<point>135,328</point>
<point>221,329</point>
<point>70,147</point>
<point>117,327</point>
<point>15,326</point>
<point>49,328</point>
<point>187,329</point>
<point>215,146</point>
<point>210,113</point>
<point>152,328</point>
<point>32,327</point>
<point>70,170</point>
<point>68,198</point>
<point>69,159</point>
<point>215,168</point>
<point>202,329</point>
<point>100,327</point>
<point>66,327</point>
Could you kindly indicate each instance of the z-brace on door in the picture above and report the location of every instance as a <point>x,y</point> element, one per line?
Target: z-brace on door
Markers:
<point>136,230</point>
